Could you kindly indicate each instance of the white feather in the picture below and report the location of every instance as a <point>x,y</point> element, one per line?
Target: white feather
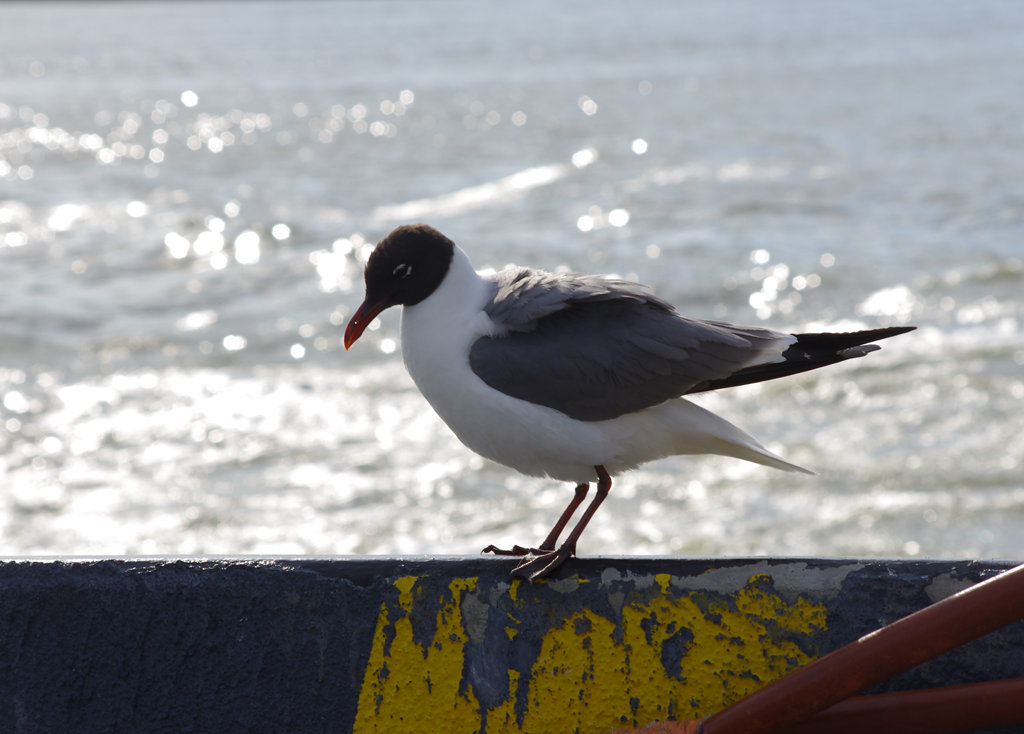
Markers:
<point>533,439</point>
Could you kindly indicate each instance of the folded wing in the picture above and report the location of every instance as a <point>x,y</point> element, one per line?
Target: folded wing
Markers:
<point>596,349</point>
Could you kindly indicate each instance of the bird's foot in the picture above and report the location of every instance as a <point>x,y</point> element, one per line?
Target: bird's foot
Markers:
<point>516,550</point>
<point>541,563</point>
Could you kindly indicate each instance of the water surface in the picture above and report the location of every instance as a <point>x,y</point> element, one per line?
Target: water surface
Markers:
<point>188,192</point>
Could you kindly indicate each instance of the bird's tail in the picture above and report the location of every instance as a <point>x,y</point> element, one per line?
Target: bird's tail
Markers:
<point>729,440</point>
<point>682,427</point>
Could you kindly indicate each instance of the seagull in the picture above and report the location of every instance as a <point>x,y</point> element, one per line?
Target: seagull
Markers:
<point>567,375</point>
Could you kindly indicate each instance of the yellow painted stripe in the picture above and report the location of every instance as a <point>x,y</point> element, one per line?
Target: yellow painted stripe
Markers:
<point>671,654</point>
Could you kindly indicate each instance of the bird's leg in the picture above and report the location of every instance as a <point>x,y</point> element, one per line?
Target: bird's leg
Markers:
<point>549,542</point>
<point>539,566</point>
<point>570,509</point>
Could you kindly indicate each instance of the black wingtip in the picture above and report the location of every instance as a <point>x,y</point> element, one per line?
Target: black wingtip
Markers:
<point>854,352</point>
<point>839,341</point>
<point>810,352</point>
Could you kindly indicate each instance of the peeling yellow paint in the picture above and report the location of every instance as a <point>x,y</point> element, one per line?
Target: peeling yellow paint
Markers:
<point>669,654</point>
<point>411,688</point>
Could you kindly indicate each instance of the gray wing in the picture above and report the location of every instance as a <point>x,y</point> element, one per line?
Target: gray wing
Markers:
<point>522,296</point>
<point>595,348</point>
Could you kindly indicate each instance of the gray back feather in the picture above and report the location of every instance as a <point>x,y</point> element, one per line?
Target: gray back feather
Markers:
<point>597,348</point>
<point>523,295</point>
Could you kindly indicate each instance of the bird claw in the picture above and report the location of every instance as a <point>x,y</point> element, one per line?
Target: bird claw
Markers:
<point>537,562</point>
<point>537,566</point>
<point>516,550</point>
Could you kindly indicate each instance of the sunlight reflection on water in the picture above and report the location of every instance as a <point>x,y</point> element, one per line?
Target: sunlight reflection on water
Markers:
<point>183,228</point>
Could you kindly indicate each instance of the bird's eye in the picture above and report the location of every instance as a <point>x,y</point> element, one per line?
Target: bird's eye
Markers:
<point>402,271</point>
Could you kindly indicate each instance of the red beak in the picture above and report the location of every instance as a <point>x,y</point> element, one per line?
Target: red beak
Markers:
<point>366,313</point>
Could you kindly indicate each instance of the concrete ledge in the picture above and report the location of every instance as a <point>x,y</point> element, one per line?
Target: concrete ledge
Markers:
<point>441,644</point>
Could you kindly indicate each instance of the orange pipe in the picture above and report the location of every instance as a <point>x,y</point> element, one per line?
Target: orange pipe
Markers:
<point>929,711</point>
<point>876,657</point>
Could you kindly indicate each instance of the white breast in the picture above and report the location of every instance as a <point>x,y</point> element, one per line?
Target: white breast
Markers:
<point>436,337</point>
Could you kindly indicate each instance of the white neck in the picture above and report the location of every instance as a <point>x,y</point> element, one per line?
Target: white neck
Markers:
<point>438,331</point>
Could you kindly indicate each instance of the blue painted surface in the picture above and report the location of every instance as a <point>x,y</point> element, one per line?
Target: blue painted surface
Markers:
<point>284,645</point>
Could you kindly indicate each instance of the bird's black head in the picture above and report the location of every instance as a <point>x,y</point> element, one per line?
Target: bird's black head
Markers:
<point>405,267</point>
<point>408,265</point>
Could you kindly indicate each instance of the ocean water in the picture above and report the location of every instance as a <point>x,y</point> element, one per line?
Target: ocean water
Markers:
<point>188,192</point>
